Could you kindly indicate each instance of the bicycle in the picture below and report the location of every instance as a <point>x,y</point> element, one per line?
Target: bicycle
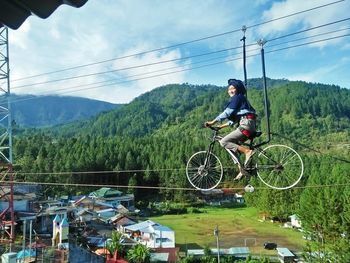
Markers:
<point>277,166</point>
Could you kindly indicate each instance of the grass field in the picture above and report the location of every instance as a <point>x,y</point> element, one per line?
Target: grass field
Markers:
<point>237,226</point>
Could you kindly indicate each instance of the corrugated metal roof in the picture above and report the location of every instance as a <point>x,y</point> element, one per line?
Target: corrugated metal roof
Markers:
<point>284,252</point>
<point>14,12</point>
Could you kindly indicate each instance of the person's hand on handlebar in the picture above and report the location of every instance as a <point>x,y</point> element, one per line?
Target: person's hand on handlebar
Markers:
<point>209,123</point>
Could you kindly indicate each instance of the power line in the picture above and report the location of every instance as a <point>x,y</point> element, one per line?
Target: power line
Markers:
<point>181,44</point>
<point>177,59</point>
<point>150,77</point>
<point>173,72</point>
<point>296,13</point>
<point>164,187</point>
<point>308,29</point>
<point>303,38</point>
<point>183,70</point>
<point>308,43</point>
<point>128,68</point>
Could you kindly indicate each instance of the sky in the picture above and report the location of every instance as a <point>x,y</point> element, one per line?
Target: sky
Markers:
<point>100,51</point>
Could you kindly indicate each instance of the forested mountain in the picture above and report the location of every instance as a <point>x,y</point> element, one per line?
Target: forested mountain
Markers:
<point>148,142</point>
<point>41,111</point>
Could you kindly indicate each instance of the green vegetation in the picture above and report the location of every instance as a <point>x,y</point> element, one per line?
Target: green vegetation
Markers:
<point>238,227</point>
<point>159,130</point>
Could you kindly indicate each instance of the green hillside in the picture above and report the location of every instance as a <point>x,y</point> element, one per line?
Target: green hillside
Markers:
<point>150,140</point>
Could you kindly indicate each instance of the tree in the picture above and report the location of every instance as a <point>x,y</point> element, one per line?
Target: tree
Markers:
<point>139,254</point>
<point>115,244</point>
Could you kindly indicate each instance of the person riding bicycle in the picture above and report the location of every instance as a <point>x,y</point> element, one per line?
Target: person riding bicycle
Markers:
<point>238,110</point>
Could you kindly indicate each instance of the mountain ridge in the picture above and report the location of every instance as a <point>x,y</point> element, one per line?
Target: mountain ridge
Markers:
<point>30,111</point>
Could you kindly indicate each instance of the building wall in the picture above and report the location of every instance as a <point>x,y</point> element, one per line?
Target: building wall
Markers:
<point>153,241</point>
<point>18,205</point>
<point>80,255</point>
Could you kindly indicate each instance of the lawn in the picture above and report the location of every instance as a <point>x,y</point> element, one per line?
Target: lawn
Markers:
<point>237,227</point>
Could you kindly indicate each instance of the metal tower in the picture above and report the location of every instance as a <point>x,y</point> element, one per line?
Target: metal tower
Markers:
<point>7,223</point>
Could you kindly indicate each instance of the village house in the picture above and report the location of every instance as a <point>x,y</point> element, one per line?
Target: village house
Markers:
<point>22,200</point>
<point>113,197</point>
<point>121,221</point>
<point>152,234</point>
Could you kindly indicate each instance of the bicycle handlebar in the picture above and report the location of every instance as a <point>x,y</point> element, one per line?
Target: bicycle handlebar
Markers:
<point>214,128</point>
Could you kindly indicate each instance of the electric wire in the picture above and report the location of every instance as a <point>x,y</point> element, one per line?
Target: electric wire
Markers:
<point>183,43</point>
<point>187,69</point>
<point>176,59</point>
<point>308,29</point>
<point>308,37</point>
<point>164,187</point>
<point>127,68</point>
<point>197,62</point>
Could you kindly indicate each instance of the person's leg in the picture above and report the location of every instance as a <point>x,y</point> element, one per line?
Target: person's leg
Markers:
<point>247,152</point>
<point>249,125</point>
<point>231,142</point>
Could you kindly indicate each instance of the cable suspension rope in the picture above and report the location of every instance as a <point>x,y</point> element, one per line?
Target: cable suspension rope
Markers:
<point>308,147</point>
<point>181,44</point>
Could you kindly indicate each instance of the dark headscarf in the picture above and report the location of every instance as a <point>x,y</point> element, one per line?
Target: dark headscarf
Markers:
<point>238,85</point>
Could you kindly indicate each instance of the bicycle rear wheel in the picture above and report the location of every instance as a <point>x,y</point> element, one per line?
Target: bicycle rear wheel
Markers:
<point>279,167</point>
<point>201,176</point>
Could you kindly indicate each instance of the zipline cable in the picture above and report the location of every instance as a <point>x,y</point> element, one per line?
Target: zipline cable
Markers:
<point>181,44</point>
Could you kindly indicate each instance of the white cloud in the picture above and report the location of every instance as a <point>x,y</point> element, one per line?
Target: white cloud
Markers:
<point>315,75</point>
<point>107,29</point>
<point>315,18</point>
<point>72,41</point>
<point>19,39</point>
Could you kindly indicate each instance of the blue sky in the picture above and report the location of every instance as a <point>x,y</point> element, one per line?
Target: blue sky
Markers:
<point>107,29</point>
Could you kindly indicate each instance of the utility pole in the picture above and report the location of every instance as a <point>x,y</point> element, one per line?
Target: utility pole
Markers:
<point>216,233</point>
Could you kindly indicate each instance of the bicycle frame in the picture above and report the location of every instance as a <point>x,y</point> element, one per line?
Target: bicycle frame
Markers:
<point>214,139</point>
<point>210,148</point>
<point>235,158</point>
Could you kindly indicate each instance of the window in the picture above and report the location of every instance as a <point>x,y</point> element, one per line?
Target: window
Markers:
<point>162,240</point>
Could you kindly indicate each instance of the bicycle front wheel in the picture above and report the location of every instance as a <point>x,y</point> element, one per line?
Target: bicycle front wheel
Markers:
<point>204,172</point>
<point>279,167</point>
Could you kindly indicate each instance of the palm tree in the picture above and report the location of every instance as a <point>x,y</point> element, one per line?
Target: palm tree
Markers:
<point>139,254</point>
<point>115,244</point>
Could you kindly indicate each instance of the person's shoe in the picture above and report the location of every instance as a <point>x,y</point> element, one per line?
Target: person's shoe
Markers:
<point>248,157</point>
<point>240,175</point>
